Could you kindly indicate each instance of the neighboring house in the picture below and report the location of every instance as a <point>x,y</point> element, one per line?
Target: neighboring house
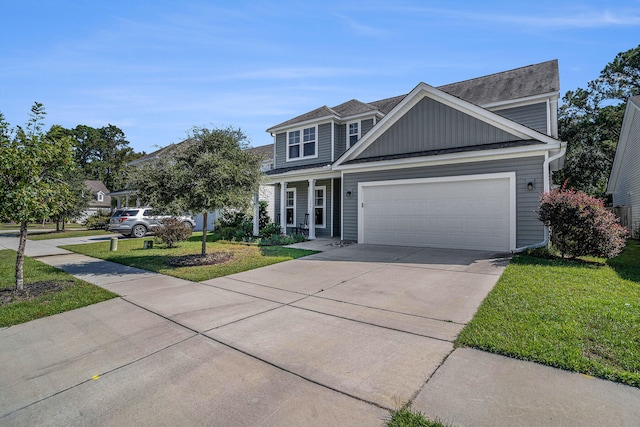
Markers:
<point>99,199</point>
<point>123,197</point>
<point>624,181</point>
<point>458,166</point>
<point>266,193</point>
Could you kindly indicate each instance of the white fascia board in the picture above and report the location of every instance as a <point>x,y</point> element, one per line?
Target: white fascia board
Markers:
<point>447,159</point>
<point>424,90</point>
<point>368,114</point>
<point>300,125</point>
<point>518,102</point>
<point>629,116</point>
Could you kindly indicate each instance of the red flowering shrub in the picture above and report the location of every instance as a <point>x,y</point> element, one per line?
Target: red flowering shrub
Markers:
<point>581,225</point>
<point>172,231</point>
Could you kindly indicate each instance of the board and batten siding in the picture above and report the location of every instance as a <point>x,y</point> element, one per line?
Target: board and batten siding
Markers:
<point>324,149</point>
<point>529,229</point>
<point>431,125</point>
<point>533,116</point>
<point>302,191</point>
<point>627,191</point>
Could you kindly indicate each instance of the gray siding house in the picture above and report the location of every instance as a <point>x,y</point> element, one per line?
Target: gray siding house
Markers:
<point>456,166</point>
<point>624,181</point>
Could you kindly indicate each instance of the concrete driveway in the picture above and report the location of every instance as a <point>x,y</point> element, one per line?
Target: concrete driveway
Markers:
<point>336,338</point>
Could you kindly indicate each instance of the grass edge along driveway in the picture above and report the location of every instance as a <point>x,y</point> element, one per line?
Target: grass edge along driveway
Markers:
<point>577,315</point>
<point>73,293</point>
<point>245,257</point>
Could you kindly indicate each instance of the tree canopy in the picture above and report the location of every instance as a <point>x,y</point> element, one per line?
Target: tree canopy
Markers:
<point>33,165</point>
<point>103,154</point>
<point>590,121</point>
<point>211,170</point>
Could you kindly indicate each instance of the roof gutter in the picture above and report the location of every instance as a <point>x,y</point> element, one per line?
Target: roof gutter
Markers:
<point>545,167</point>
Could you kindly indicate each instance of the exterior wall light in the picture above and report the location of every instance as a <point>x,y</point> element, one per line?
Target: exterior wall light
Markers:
<point>348,193</point>
<point>531,184</point>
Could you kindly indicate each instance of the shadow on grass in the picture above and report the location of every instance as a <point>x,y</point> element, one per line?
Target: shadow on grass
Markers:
<point>627,264</point>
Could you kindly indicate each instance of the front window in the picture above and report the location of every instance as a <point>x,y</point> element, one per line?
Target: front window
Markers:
<point>100,196</point>
<point>354,133</point>
<point>301,143</point>
<point>320,206</point>
<point>290,206</point>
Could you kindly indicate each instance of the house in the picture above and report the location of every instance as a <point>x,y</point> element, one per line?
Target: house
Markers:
<point>456,166</point>
<point>624,181</point>
<point>266,193</point>
<point>99,201</point>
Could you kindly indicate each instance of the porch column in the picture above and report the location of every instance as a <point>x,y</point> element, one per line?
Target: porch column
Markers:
<point>283,207</point>
<point>311,208</point>
<point>256,215</point>
<point>126,201</point>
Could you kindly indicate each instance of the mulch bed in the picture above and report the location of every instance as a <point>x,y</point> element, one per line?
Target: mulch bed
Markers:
<point>31,291</point>
<point>196,260</point>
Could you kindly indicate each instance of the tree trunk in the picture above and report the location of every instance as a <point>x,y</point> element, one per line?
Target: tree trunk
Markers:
<point>204,234</point>
<point>63,221</point>
<point>57,224</point>
<point>20,257</point>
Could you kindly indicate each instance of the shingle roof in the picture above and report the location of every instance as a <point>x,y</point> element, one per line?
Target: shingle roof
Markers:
<point>265,151</point>
<point>94,186</point>
<point>508,85</point>
<point>512,84</point>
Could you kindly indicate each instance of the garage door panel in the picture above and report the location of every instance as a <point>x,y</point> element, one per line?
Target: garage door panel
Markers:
<point>465,214</point>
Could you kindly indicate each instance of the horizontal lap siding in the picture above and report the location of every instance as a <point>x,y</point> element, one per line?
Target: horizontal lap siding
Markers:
<point>627,191</point>
<point>340,140</point>
<point>528,229</point>
<point>533,116</point>
<point>324,149</point>
<point>366,126</point>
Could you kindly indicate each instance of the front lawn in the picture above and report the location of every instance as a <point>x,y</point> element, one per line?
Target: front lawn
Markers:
<point>50,291</point>
<point>578,315</point>
<point>243,256</point>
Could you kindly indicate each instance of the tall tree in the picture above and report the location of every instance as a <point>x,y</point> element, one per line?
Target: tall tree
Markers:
<point>590,121</point>
<point>32,168</point>
<point>103,153</point>
<point>211,170</point>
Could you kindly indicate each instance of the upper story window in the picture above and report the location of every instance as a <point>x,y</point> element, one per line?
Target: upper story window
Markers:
<point>100,196</point>
<point>354,133</point>
<point>302,143</point>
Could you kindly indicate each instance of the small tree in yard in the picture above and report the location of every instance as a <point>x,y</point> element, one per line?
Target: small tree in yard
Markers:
<point>32,170</point>
<point>580,224</point>
<point>211,170</point>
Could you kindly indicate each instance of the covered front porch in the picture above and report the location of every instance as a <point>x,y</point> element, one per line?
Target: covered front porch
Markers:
<point>311,206</point>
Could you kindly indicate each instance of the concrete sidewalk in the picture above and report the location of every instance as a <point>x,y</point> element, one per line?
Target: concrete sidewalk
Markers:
<point>336,338</point>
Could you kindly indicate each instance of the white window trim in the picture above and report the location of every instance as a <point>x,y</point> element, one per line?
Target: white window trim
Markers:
<point>302,156</point>
<point>324,205</point>
<point>100,196</point>
<point>293,190</point>
<point>349,144</point>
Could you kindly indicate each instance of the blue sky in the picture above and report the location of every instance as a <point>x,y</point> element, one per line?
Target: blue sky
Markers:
<point>157,68</point>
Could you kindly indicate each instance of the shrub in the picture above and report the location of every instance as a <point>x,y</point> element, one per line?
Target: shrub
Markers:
<point>580,224</point>
<point>172,231</point>
<point>97,222</point>
<point>269,230</point>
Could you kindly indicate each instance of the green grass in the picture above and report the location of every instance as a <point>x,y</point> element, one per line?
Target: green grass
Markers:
<point>408,417</point>
<point>67,234</point>
<point>75,293</point>
<point>245,257</point>
<point>37,226</point>
<point>578,315</point>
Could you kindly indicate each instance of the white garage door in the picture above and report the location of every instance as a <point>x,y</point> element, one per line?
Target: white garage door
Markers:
<point>467,212</point>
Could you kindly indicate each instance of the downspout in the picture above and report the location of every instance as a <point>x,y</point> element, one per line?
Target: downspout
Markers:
<point>546,185</point>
